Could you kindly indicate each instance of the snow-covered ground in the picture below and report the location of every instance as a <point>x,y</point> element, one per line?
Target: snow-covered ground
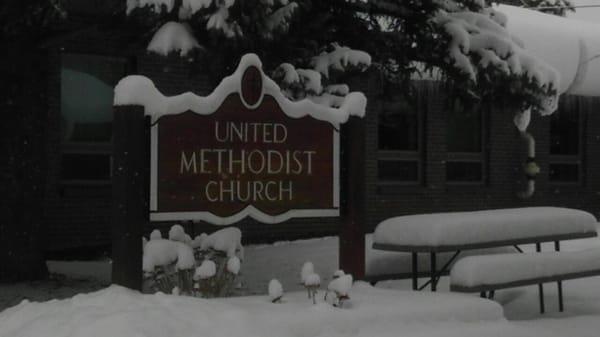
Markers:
<point>389,309</point>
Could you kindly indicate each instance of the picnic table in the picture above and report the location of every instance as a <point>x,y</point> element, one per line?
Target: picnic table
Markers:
<point>458,231</point>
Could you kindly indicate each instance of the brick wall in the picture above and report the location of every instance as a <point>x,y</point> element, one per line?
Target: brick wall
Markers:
<point>506,153</point>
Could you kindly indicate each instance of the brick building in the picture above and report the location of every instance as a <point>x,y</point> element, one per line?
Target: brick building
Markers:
<point>423,154</point>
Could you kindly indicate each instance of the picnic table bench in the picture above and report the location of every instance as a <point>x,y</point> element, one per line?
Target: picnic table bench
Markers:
<point>459,231</point>
<point>486,274</point>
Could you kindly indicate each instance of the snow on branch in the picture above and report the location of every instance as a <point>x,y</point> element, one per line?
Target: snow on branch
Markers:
<point>156,5</point>
<point>479,41</point>
<point>216,14</point>
<point>173,37</point>
<point>279,19</point>
<point>339,59</point>
<point>297,84</point>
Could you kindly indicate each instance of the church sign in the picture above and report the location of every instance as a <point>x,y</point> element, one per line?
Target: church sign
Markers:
<point>245,150</point>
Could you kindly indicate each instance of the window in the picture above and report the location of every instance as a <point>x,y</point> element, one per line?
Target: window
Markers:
<point>566,143</point>
<point>465,161</point>
<point>87,83</point>
<point>399,141</point>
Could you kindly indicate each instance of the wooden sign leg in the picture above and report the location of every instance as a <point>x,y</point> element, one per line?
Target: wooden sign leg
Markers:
<point>130,183</point>
<point>352,232</point>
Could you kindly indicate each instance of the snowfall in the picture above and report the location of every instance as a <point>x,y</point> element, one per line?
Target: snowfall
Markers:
<point>388,309</point>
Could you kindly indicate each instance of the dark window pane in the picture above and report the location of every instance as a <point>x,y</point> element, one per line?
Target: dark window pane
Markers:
<point>398,126</point>
<point>398,170</point>
<point>87,83</point>
<point>564,132</point>
<point>564,172</point>
<point>464,171</point>
<point>85,166</point>
<point>463,130</point>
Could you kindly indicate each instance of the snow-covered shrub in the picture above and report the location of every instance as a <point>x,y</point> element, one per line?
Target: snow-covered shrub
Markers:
<point>275,291</point>
<point>340,288</point>
<point>207,266</point>
<point>310,280</point>
<point>312,284</point>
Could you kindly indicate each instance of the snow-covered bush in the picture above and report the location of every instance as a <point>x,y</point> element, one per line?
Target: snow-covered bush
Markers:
<point>207,266</point>
<point>339,288</point>
<point>310,280</point>
<point>275,291</point>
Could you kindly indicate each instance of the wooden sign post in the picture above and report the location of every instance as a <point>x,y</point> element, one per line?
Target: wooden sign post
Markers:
<point>352,232</point>
<point>130,194</point>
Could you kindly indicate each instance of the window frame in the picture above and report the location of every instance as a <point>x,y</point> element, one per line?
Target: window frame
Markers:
<point>417,155</point>
<point>87,147</point>
<point>471,157</point>
<point>569,159</point>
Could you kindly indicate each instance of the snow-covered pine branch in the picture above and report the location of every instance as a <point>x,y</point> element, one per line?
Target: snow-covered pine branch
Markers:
<point>215,15</point>
<point>479,42</point>
<point>298,83</point>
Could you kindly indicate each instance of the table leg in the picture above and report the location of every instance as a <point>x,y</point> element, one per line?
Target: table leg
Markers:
<point>538,248</point>
<point>415,271</point>
<point>433,270</point>
<point>561,306</point>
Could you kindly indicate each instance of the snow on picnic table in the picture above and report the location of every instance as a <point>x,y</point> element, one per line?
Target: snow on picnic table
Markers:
<point>503,268</point>
<point>461,228</point>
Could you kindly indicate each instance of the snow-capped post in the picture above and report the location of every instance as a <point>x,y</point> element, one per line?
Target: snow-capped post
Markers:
<point>130,193</point>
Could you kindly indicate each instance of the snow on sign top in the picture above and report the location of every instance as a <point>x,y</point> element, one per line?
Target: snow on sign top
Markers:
<point>140,90</point>
<point>463,228</point>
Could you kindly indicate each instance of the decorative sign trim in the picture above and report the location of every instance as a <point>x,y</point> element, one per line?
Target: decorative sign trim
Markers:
<point>140,90</point>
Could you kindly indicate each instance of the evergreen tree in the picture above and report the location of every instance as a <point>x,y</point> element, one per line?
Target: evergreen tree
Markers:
<point>465,39</point>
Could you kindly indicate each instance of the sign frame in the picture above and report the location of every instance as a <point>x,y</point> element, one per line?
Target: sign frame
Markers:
<point>249,210</point>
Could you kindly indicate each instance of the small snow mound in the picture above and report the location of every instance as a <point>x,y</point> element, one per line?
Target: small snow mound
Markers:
<point>173,37</point>
<point>275,290</point>
<point>312,280</point>
<point>206,270</point>
<point>177,233</point>
<point>307,269</point>
<point>228,240</point>
<point>155,235</point>
<point>341,285</point>
<point>197,242</point>
<point>233,265</point>
<point>162,252</point>
<point>338,273</point>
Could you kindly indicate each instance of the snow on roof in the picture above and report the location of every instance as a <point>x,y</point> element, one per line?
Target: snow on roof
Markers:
<point>140,90</point>
<point>570,46</point>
